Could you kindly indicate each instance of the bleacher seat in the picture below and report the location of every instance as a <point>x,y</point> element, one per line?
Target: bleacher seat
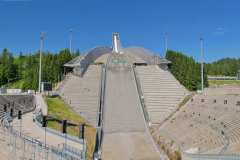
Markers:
<point>82,93</point>
<point>161,91</point>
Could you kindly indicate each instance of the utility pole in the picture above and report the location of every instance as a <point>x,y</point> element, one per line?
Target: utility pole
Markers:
<point>70,40</point>
<point>40,61</point>
<point>202,63</point>
<point>166,43</point>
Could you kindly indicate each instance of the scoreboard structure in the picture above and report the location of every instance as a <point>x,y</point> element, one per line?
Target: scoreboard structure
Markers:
<point>46,86</point>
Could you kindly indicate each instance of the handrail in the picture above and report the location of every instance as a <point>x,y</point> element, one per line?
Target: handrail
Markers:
<point>189,156</point>
<point>5,122</point>
<point>100,112</point>
<point>101,127</point>
<point>100,102</point>
<point>38,119</point>
<point>66,151</point>
<point>140,94</point>
<point>103,85</point>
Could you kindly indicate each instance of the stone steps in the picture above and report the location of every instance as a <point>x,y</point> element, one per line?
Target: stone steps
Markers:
<point>162,92</point>
<point>82,93</point>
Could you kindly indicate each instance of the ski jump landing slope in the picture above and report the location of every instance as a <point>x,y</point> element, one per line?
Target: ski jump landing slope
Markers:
<point>125,132</point>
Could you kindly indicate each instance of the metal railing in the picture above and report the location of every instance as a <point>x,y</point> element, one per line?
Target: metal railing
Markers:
<point>101,95</point>
<point>21,146</point>
<point>187,156</point>
<point>99,135</point>
<point>141,97</point>
<point>38,122</point>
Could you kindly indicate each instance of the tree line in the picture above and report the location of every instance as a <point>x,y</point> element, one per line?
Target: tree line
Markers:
<point>224,67</point>
<point>24,68</point>
<point>186,70</point>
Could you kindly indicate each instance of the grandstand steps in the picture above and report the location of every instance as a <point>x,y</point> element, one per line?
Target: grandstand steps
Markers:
<point>161,91</point>
<point>161,100</point>
<point>156,111</point>
<point>82,93</point>
<point>209,131</point>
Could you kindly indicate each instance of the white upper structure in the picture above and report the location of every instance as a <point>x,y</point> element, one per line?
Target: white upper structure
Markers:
<point>116,43</point>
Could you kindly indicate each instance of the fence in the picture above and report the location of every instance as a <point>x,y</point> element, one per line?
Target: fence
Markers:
<point>21,146</point>
<point>186,156</point>
<point>38,122</point>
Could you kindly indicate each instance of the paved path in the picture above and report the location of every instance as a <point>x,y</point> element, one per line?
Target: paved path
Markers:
<point>40,103</point>
<point>33,130</point>
<point>3,150</point>
<point>125,132</point>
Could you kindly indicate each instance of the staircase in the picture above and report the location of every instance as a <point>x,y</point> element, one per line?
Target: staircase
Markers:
<point>162,92</point>
<point>83,93</point>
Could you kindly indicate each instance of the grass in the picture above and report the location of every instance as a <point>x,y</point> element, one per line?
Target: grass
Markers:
<point>223,82</point>
<point>17,84</point>
<point>60,110</point>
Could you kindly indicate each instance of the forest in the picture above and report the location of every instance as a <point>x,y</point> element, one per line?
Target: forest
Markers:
<point>186,70</point>
<point>22,70</point>
<point>224,67</point>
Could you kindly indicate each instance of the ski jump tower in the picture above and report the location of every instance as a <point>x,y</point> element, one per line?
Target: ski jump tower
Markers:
<point>116,43</point>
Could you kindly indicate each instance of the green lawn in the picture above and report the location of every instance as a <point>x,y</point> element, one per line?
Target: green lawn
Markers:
<point>18,84</point>
<point>222,82</point>
<point>58,109</point>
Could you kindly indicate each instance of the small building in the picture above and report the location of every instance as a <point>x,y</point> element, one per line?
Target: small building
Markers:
<point>238,75</point>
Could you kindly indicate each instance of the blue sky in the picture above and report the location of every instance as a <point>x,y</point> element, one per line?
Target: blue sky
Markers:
<point>139,22</point>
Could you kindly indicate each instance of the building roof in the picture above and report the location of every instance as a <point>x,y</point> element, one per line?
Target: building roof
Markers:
<point>74,62</point>
<point>134,54</point>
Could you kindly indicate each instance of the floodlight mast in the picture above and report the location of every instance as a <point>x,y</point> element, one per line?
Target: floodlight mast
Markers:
<point>202,63</point>
<point>70,40</point>
<point>40,61</point>
<point>166,43</point>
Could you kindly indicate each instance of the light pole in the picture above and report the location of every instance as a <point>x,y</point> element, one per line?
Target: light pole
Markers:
<point>40,61</point>
<point>70,40</point>
<point>166,43</point>
<point>202,63</point>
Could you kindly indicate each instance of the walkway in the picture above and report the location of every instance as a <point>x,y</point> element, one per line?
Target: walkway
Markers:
<point>31,129</point>
<point>40,103</point>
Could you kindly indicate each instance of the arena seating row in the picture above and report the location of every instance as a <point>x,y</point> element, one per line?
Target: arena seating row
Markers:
<point>207,123</point>
<point>162,92</point>
<point>25,103</point>
<point>82,93</point>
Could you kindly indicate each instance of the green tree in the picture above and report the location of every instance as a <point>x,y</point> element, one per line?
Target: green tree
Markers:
<point>25,68</point>
<point>224,67</point>
<point>186,70</point>
<point>7,67</point>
